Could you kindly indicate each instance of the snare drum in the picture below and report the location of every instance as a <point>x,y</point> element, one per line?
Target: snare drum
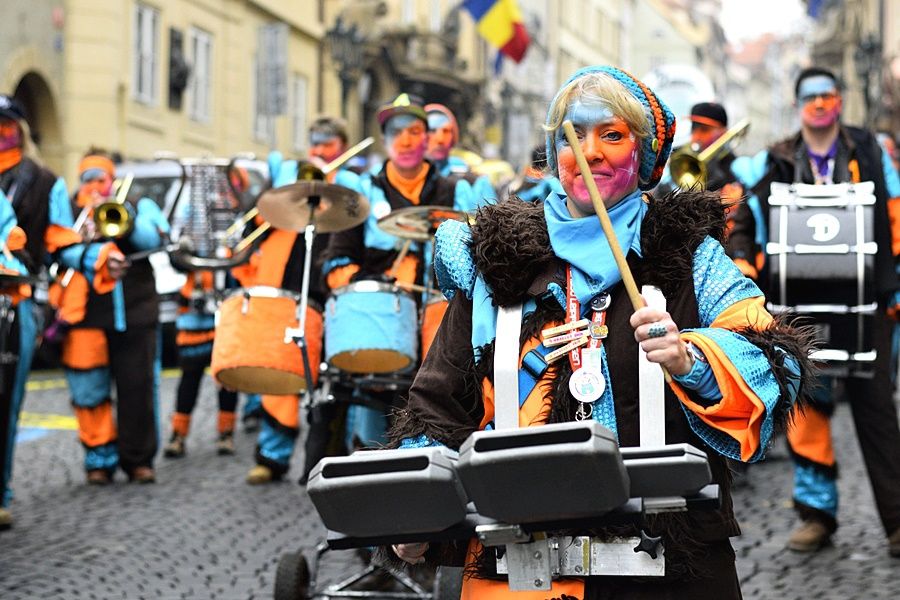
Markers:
<point>250,353</point>
<point>370,327</point>
<point>434,314</point>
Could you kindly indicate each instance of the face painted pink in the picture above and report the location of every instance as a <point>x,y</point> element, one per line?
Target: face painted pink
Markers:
<point>406,138</point>
<point>820,102</point>
<point>611,151</point>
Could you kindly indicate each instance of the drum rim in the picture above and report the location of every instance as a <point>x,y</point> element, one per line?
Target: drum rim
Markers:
<point>270,291</point>
<point>370,286</point>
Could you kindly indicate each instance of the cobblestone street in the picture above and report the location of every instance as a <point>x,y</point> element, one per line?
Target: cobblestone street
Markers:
<point>201,532</point>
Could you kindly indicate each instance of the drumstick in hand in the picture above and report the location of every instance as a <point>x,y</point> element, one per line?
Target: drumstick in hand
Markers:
<point>637,301</point>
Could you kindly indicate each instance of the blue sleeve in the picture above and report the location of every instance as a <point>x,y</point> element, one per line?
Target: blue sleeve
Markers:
<point>453,262</point>
<point>701,380</point>
<point>483,192</point>
<point>274,161</point>
<point>149,224</point>
<point>891,179</point>
<point>81,257</point>
<point>60,207</point>
<point>749,170</point>
<point>422,441</point>
<point>718,284</point>
<point>7,222</point>
<point>464,196</point>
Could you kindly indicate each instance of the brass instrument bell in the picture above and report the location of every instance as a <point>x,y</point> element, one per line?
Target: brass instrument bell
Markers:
<point>689,168</point>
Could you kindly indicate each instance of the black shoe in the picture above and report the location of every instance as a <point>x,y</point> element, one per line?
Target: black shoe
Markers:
<point>251,423</point>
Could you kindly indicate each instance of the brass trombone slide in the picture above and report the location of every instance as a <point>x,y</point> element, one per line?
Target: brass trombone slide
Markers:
<point>688,167</point>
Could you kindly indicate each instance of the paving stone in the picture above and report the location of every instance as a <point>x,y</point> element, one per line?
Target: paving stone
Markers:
<point>201,532</point>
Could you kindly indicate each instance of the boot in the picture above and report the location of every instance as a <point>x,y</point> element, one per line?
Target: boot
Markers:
<point>6,519</point>
<point>143,475</point>
<point>809,536</point>
<point>225,444</point>
<point>176,446</point>
<point>99,477</point>
<point>261,474</point>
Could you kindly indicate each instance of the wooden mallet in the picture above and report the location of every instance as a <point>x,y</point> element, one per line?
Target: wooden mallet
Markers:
<point>637,301</point>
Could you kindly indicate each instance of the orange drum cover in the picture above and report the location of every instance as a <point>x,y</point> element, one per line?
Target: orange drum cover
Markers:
<point>249,352</point>
<point>434,314</point>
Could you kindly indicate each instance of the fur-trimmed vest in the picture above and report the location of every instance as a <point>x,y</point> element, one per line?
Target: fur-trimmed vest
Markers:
<point>511,249</point>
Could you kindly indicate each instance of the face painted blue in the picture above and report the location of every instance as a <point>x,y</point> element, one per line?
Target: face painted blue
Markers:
<point>437,120</point>
<point>583,117</point>
<point>396,125</point>
<point>317,137</point>
<point>816,86</point>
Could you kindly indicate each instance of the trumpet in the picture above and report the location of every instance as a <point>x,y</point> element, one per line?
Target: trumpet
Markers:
<point>689,168</point>
<point>115,219</point>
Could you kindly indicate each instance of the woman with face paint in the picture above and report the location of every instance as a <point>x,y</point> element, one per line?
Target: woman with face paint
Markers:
<point>735,369</point>
<point>826,151</point>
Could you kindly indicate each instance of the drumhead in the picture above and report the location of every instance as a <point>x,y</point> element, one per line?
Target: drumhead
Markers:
<point>267,291</point>
<point>368,286</point>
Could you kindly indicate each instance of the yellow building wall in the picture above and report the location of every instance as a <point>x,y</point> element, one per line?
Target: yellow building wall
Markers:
<point>99,107</point>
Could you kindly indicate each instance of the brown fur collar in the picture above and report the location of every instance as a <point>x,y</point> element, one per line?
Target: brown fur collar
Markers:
<point>511,246</point>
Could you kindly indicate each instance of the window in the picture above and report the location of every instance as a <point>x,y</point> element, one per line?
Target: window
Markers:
<point>263,124</point>
<point>408,12</point>
<point>200,43</point>
<point>300,95</point>
<point>435,15</point>
<point>146,53</point>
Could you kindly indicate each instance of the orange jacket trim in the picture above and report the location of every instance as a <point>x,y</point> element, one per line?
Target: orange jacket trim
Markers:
<point>340,276</point>
<point>103,282</point>
<point>96,426</point>
<point>740,412</point>
<point>56,237</point>
<point>809,433</point>
<point>85,349</point>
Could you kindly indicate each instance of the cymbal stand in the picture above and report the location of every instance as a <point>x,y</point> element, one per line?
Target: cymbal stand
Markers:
<point>298,335</point>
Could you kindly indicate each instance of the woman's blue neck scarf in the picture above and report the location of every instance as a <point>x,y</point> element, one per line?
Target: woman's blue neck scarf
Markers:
<point>581,242</point>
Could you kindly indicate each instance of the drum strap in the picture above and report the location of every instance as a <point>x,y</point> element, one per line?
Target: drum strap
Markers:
<point>651,385</point>
<point>506,367</point>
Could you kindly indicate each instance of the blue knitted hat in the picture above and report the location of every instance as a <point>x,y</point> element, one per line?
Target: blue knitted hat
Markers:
<point>655,148</point>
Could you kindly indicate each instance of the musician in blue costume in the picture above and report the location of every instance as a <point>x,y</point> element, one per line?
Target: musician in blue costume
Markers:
<point>116,341</point>
<point>278,262</point>
<point>827,151</point>
<point>40,205</point>
<point>736,370</point>
<point>443,136</point>
<point>406,179</point>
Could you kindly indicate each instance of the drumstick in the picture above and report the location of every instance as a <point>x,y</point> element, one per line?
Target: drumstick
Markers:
<point>637,301</point>
<point>404,250</point>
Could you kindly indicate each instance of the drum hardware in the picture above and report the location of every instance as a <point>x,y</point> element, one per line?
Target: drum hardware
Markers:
<point>418,223</point>
<point>689,167</point>
<point>336,208</point>
<point>200,221</point>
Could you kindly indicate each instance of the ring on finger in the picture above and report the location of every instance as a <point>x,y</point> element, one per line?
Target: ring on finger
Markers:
<point>656,330</point>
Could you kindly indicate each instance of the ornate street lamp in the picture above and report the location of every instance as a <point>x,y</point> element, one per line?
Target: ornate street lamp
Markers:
<point>346,47</point>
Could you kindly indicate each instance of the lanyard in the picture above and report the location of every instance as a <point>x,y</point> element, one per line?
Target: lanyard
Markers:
<point>573,314</point>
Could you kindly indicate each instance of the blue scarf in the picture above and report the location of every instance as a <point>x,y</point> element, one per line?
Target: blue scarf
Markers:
<point>581,242</point>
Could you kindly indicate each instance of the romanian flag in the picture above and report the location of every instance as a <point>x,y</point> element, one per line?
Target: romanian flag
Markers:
<point>500,23</point>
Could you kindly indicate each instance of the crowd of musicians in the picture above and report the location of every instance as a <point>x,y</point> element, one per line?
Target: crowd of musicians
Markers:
<point>739,373</point>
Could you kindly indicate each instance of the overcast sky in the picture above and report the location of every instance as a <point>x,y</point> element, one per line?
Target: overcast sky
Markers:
<point>748,19</point>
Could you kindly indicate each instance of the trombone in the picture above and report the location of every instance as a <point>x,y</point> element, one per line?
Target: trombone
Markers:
<point>689,168</point>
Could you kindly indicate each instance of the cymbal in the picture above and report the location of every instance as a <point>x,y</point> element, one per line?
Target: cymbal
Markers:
<point>287,207</point>
<point>418,223</point>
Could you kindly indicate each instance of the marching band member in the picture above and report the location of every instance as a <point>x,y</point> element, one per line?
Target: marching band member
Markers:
<point>116,340</point>
<point>443,135</point>
<point>365,252</point>
<point>826,151</point>
<point>279,263</point>
<point>196,329</point>
<point>736,370</point>
<point>15,341</point>
<point>41,209</point>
